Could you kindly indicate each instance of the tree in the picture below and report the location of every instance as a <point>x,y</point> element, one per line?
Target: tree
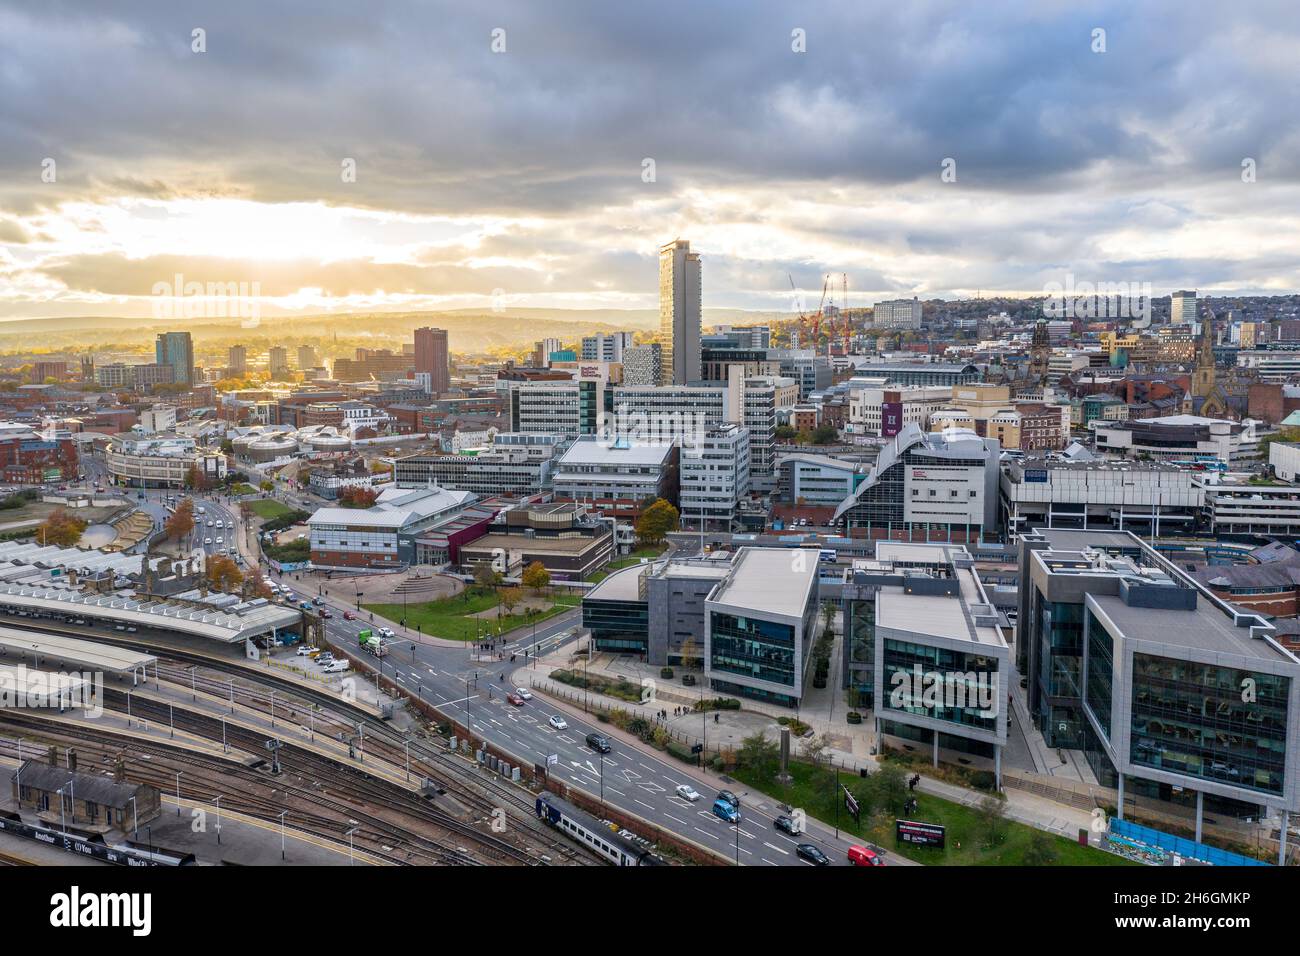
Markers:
<point>356,496</point>
<point>267,486</point>
<point>224,574</point>
<point>690,653</point>
<point>825,434</point>
<point>60,529</point>
<point>759,755</point>
<point>992,816</point>
<point>659,518</point>
<point>262,588</point>
<point>486,577</point>
<point>887,787</point>
<point>195,480</point>
<point>814,748</point>
<point>181,521</point>
<point>1041,850</point>
<point>536,576</point>
<point>510,599</point>
<point>784,433</point>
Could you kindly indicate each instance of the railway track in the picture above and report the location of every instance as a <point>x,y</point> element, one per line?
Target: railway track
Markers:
<point>386,828</point>
<point>477,790</point>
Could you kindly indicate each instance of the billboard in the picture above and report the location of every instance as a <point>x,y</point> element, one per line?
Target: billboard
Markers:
<point>1036,474</point>
<point>919,834</point>
<point>891,419</point>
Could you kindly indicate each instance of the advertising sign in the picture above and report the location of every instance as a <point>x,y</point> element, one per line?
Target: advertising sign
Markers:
<point>891,419</point>
<point>919,834</point>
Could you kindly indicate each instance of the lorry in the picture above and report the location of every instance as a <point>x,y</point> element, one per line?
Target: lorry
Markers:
<point>372,643</point>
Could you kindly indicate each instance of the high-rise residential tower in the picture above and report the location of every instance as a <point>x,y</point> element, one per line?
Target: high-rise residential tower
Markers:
<point>431,358</point>
<point>1182,308</point>
<point>177,350</point>
<point>679,312</point>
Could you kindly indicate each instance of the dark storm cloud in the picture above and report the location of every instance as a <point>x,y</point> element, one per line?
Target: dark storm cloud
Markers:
<point>586,90</point>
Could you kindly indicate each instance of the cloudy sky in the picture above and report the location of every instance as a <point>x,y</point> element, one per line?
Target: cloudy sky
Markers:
<point>524,170</point>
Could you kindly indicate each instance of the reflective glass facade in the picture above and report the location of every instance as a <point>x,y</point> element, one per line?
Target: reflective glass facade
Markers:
<point>621,626</point>
<point>903,657</point>
<point>753,648</point>
<point>1101,673</point>
<point>1216,723</point>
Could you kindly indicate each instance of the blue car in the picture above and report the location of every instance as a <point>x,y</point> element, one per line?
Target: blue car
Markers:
<point>724,810</point>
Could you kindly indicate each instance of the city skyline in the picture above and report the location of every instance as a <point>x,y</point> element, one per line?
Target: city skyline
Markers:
<point>494,174</point>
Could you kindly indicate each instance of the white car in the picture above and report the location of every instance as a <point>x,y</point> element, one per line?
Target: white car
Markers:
<point>305,650</point>
<point>523,692</point>
<point>210,522</point>
<point>688,793</point>
<point>559,723</point>
<point>207,540</point>
<point>221,524</point>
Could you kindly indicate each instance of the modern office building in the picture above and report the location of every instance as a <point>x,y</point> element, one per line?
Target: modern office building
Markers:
<point>680,291</point>
<point>897,314</point>
<point>714,478</point>
<point>160,461</point>
<point>307,357</point>
<point>924,648</point>
<point>176,349</point>
<point>643,365</point>
<point>516,464</point>
<point>1172,693</point>
<point>618,478</point>
<point>570,408</point>
<point>884,411</point>
<point>432,358</point>
<point>1145,497</point>
<point>922,373</point>
<point>817,480</point>
<point>1182,308</point>
<point>382,537</point>
<point>603,347</point>
<point>927,487</point>
<point>1178,438</point>
<point>759,626</point>
<point>237,360</point>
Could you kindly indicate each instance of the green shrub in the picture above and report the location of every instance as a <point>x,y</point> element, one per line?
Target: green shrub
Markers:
<point>680,751</point>
<point>854,717</point>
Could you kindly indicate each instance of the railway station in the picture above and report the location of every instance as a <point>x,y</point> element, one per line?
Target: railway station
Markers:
<point>19,645</point>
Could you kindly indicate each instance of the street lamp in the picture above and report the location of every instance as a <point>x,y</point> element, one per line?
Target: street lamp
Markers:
<point>282,814</point>
<point>348,833</point>
<point>178,792</point>
<point>738,819</point>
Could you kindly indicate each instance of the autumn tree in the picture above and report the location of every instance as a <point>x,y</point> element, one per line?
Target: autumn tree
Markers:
<point>195,480</point>
<point>224,574</point>
<point>659,518</point>
<point>511,598</point>
<point>536,576</point>
<point>181,521</point>
<point>356,496</point>
<point>486,577</point>
<point>60,529</point>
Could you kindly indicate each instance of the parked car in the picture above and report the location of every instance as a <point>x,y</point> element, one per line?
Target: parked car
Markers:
<point>305,650</point>
<point>688,793</point>
<point>806,851</point>
<point>558,722</point>
<point>338,666</point>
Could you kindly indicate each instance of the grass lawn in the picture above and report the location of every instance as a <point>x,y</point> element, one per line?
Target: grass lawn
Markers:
<point>450,617</point>
<point>812,790</point>
<point>269,508</point>
<point>242,488</point>
<point>636,556</point>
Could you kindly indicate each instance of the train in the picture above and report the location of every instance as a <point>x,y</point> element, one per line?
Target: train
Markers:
<point>583,828</point>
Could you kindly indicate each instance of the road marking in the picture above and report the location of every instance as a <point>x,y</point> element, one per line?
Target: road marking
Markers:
<point>643,803</point>
<point>711,836</point>
<point>671,817</point>
<point>777,848</point>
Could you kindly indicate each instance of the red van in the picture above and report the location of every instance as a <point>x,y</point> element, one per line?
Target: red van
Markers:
<point>861,856</point>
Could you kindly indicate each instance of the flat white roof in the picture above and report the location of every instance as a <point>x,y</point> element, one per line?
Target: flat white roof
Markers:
<point>100,657</point>
<point>769,580</point>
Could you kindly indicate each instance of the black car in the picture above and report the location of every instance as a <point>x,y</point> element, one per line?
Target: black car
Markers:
<point>598,743</point>
<point>806,851</point>
<point>785,823</point>
<point>730,797</point>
